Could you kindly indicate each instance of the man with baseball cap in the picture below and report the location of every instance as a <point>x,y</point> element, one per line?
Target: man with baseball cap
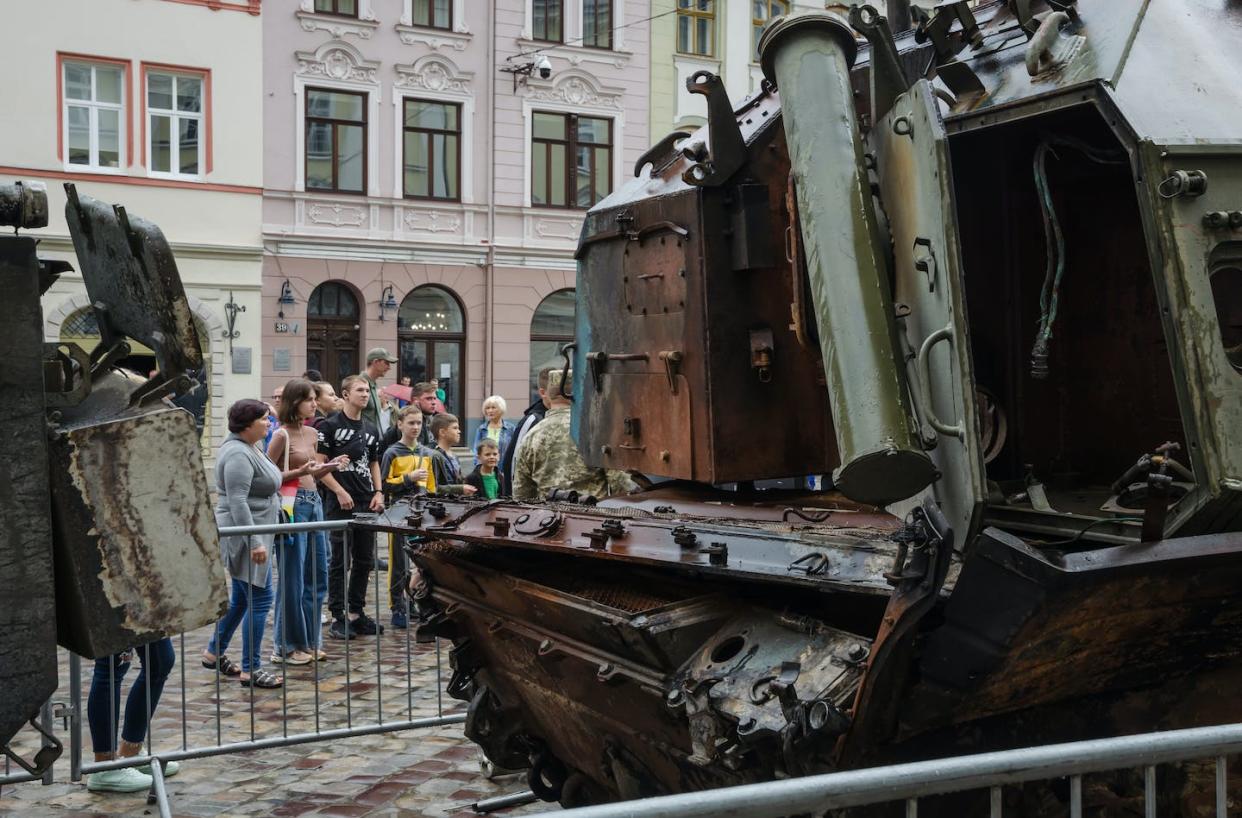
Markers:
<point>379,361</point>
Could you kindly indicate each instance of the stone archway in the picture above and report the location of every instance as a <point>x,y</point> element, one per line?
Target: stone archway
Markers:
<point>213,353</point>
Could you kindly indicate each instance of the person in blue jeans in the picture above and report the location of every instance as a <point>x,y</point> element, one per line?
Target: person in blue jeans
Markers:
<point>104,715</point>
<point>248,484</point>
<point>292,448</point>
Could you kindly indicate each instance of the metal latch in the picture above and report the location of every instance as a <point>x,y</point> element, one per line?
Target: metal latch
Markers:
<point>672,365</point>
<point>598,362</point>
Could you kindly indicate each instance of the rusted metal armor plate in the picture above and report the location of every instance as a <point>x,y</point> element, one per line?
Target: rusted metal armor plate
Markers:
<point>137,551</point>
<point>27,603</point>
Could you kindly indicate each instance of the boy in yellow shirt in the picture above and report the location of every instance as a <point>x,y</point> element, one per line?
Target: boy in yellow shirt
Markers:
<point>404,468</point>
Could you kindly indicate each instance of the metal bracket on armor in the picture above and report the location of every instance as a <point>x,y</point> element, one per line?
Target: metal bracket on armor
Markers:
<point>44,758</point>
<point>727,151</point>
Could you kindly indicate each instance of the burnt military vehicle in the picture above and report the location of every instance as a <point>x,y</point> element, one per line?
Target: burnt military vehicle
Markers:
<point>102,547</point>
<point>986,277</point>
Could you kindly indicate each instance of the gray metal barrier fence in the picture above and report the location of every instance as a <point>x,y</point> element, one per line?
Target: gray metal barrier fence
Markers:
<point>988,772</point>
<point>158,749</point>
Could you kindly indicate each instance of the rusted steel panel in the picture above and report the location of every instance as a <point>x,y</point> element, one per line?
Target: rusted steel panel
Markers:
<point>27,604</point>
<point>686,342</point>
<point>137,551</point>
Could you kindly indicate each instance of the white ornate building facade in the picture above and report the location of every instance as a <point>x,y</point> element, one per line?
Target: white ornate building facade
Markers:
<point>152,104</point>
<point>427,167</point>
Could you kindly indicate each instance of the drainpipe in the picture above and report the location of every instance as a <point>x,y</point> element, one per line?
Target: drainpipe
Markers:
<point>808,57</point>
<point>490,282</point>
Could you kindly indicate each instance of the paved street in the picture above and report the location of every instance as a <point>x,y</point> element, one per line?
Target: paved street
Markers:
<point>433,772</point>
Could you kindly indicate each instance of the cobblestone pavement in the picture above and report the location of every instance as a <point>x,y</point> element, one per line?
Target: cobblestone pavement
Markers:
<point>428,771</point>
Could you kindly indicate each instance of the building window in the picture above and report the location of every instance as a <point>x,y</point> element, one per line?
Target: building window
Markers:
<point>431,338</point>
<point>597,23</point>
<point>332,320</point>
<point>175,123</point>
<point>762,13</point>
<point>432,168</point>
<point>549,20</point>
<point>336,141</point>
<point>94,114</point>
<point>571,160</point>
<point>342,8</point>
<point>550,329</point>
<point>696,27</point>
<point>432,13</point>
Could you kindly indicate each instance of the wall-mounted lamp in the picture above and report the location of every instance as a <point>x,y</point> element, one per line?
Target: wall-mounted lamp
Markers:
<point>286,297</point>
<point>231,309</point>
<point>388,301</point>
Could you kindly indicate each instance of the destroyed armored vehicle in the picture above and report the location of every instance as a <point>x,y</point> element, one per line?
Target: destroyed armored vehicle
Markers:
<point>986,278</point>
<point>102,547</point>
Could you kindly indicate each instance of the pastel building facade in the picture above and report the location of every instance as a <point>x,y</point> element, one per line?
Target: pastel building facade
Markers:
<point>720,36</point>
<point>153,104</point>
<point>428,164</point>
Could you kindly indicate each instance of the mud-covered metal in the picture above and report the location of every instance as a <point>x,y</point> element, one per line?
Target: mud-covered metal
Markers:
<point>137,552</point>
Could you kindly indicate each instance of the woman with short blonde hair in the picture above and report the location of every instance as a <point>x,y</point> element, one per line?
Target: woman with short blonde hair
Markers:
<point>493,426</point>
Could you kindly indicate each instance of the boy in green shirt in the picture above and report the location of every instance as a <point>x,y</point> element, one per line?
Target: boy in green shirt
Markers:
<point>488,480</point>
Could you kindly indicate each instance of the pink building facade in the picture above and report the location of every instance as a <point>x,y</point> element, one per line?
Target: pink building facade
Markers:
<point>425,183</point>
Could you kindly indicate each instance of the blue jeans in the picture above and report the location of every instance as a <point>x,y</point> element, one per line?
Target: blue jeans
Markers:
<point>103,704</point>
<point>248,607</point>
<point>303,584</point>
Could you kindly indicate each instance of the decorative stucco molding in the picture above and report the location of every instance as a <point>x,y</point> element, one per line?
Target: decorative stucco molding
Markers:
<point>337,215</point>
<point>546,228</point>
<point>434,38</point>
<point>434,73</point>
<point>577,90</point>
<point>431,221</point>
<point>338,26</point>
<point>340,61</point>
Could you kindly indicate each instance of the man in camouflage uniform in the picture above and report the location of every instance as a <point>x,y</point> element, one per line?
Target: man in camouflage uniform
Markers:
<point>549,458</point>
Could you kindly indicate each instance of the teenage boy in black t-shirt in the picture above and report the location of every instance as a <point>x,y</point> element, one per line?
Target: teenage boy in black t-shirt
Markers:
<point>353,487</point>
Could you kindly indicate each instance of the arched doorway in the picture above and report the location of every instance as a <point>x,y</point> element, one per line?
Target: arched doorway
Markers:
<point>432,337</point>
<point>550,329</point>
<point>332,319</point>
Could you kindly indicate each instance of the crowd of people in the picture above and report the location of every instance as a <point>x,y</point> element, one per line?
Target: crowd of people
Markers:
<point>312,454</point>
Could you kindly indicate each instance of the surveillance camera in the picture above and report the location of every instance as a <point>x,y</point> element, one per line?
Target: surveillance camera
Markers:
<point>544,66</point>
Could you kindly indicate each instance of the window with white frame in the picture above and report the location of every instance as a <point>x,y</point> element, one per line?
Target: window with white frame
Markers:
<point>597,23</point>
<point>571,159</point>
<point>175,125</point>
<point>432,13</point>
<point>696,27</point>
<point>94,114</point>
<point>762,13</point>
<point>548,20</point>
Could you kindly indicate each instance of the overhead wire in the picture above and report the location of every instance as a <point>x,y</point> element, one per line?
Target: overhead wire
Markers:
<point>580,40</point>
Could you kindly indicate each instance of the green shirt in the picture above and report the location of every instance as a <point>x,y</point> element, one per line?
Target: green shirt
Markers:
<point>491,487</point>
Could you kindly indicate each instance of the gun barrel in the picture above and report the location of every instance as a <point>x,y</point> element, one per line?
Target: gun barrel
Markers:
<point>808,57</point>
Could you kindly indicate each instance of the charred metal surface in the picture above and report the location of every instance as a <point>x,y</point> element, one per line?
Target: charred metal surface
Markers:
<point>845,551</point>
<point>1027,170</point>
<point>27,607</point>
<point>1025,628</point>
<point>646,693</point>
<point>132,279</point>
<point>676,278</point>
<point>137,553</point>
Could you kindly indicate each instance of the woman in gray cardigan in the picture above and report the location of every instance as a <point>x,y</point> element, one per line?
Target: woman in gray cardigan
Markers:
<point>248,484</point>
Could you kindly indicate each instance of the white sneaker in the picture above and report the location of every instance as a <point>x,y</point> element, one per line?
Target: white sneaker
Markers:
<point>170,768</point>
<point>126,779</point>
